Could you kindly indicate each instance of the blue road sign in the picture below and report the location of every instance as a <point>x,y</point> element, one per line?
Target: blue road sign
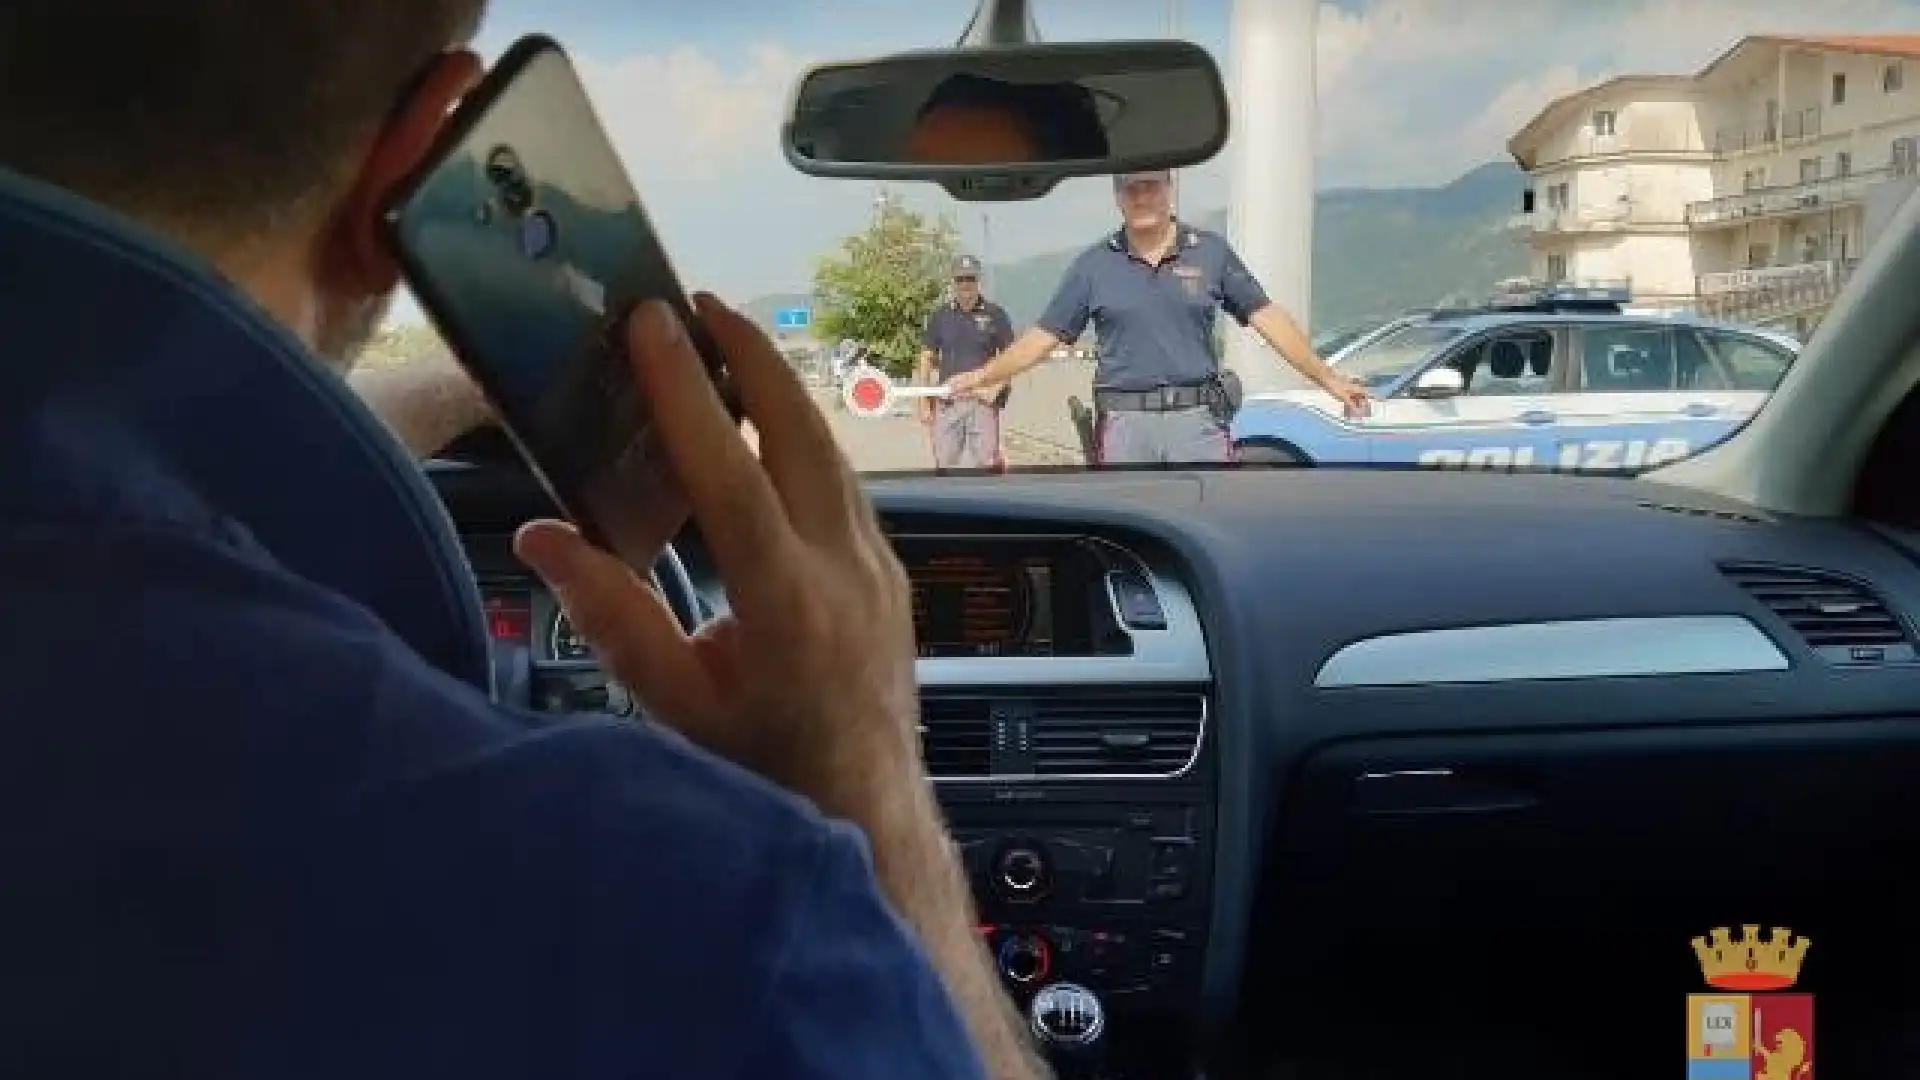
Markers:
<point>792,318</point>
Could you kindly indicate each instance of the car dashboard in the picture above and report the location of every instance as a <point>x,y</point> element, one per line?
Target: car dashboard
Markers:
<point>1242,752</point>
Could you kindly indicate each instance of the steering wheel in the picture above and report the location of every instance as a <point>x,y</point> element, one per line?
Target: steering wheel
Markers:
<point>676,588</point>
<point>524,680</point>
<point>515,670</point>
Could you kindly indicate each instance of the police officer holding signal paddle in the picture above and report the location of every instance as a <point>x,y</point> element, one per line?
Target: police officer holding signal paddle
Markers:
<point>1152,291</point>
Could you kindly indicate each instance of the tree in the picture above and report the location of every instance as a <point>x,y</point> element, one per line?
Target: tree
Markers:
<point>883,282</point>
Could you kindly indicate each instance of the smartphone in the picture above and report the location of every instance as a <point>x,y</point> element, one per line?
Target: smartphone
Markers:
<point>526,244</point>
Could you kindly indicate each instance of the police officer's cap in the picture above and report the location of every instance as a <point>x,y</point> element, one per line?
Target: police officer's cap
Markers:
<point>1123,180</point>
<point>966,266</point>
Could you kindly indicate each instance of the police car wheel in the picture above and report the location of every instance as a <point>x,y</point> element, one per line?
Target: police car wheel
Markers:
<point>1266,453</point>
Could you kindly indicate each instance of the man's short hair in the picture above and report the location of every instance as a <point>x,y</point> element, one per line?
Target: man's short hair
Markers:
<point>213,116</point>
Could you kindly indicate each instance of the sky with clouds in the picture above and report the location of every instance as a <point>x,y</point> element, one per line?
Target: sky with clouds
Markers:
<point>1412,93</point>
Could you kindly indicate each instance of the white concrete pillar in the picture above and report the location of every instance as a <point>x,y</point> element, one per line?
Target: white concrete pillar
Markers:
<point>1271,161</point>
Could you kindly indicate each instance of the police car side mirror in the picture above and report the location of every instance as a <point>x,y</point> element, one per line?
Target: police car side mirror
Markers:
<point>1440,382</point>
<point>1006,122</point>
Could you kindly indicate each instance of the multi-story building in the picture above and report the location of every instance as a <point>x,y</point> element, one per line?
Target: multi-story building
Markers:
<point>1747,191</point>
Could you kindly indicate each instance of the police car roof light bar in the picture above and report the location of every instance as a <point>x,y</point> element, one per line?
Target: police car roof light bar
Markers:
<point>1000,22</point>
<point>1563,296</point>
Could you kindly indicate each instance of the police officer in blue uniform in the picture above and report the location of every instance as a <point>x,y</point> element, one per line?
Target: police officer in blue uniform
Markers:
<point>1152,291</point>
<point>960,336</point>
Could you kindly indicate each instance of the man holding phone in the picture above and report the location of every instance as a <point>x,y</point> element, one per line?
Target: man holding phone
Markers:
<point>263,817</point>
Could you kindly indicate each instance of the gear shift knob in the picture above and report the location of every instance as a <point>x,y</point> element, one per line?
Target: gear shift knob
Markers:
<point>1067,1017</point>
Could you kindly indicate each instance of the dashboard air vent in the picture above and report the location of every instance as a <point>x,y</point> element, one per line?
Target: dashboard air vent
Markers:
<point>1134,734</point>
<point>956,735</point>
<point>1841,619</point>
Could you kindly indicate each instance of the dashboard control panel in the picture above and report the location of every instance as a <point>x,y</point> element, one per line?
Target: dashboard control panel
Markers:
<point>1065,695</point>
<point>1095,888</point>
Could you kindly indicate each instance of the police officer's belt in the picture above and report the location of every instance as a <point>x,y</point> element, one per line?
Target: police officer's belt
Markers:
<point>1164,399</point>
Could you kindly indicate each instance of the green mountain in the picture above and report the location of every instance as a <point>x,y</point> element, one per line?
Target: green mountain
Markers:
<point>1376,252</point>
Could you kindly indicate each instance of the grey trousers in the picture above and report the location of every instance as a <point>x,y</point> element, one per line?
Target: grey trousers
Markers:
<point>966,435</point>
<point>1178,437</point>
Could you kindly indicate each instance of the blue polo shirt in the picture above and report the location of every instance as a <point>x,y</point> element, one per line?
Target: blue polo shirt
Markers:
<point>1154,323</point>
<point>261,816</point>
<point>966,338</point>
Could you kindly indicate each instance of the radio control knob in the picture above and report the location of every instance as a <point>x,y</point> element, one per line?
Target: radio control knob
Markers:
<point>1022,872</point>
<point>1026,958</point>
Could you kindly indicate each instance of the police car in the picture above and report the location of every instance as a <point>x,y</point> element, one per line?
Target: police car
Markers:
<point>1560,379</point>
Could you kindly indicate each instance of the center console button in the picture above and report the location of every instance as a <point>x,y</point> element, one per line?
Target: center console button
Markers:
<point>1025,958</point>
<point>1021,872</point>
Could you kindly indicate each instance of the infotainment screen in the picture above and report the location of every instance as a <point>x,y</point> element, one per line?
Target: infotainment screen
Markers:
<point>1011,596</point>
<point>976,605</point>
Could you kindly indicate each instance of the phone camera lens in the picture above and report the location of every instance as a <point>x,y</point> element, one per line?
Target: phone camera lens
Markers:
<point>539,236</point>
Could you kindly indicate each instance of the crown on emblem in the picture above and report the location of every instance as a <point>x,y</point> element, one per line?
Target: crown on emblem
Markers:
<point>1750,963</point>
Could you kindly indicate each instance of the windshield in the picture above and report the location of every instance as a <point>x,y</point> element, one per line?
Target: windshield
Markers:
<point>1381,363</point>
<point>1334,340</point>
<point>1465,150</point>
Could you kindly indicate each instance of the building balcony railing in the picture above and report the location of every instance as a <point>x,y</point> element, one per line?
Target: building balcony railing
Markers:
<point>1640,142</point>
<point>1785,199</point>
<point>1796,126</point>
<point>1591,218</point>
<point>1772,291</point>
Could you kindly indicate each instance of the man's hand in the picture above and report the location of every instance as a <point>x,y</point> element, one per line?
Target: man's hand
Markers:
<point>1354,400</point>
<point>975,384</point>
<point>967,382</point>
<point>810,680</point>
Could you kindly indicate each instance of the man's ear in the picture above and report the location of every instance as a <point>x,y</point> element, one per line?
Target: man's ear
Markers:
<point>355,255</point>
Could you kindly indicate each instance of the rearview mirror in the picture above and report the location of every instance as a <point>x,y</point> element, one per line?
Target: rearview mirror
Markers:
<point>1440,382</point>
<point>1012,121</point>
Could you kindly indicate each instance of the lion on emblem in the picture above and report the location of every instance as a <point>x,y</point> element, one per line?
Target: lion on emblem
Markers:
<point>1788,1058</point>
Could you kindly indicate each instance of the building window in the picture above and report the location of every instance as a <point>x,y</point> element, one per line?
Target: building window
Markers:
<point>1809,170</point>
<point>1892,78</point>
<point>1843,163</point>
<point>1603,122</point>
<point>1556,268</point>
<point>1901,160</point>
<point>1839,88</point>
